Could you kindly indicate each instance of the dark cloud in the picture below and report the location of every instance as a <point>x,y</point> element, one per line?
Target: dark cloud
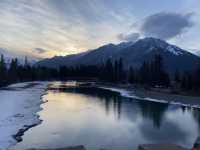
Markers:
<point>165,25</point>
<point>129,37</point>
<point>40,50</point>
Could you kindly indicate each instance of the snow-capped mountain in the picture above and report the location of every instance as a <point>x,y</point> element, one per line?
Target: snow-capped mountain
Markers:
<point>133,54</point>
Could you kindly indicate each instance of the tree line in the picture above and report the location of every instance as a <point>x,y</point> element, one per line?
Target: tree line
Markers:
<point>16,72</point>
<point>150,73</point>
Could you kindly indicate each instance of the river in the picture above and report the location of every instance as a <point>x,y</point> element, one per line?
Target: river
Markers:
<point>101,119</point>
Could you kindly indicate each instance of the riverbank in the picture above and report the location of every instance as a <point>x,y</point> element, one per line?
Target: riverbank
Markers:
<point>155,95</point>
<point>108,112</point>
<point>19,104</point>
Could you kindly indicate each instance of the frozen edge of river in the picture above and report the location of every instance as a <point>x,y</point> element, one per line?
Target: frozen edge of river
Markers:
<point>131,94</point>
<point>19,105</point>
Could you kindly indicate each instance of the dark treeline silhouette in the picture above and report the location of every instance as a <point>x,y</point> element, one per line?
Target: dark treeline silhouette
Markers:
<point>15,72</point>
<point>151,73</point>
<point>188,80</point>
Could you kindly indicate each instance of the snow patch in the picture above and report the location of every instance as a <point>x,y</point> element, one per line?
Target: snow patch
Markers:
<point>130,94</point>
<point>18,110</point>
<point>174,50</point>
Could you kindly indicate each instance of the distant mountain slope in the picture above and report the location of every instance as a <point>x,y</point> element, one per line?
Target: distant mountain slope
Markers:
<point>174,57</point>
<point>91,57</point>
<point>133,54</point>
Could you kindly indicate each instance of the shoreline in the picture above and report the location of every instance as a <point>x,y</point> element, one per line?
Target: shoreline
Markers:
<point>30,96</point>
<point>152,95</point>
<point>18,136</point>
<point>20,103</point>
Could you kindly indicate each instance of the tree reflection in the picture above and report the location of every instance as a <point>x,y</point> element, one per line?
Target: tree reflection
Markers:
<point>153,111</point>
<point>112,102</point>
<point>107,105</point>
<point>196,115</point>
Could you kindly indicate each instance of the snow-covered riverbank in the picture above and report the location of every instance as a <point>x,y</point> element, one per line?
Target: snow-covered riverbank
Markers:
<point>19,104</point>
<point>156,96</point>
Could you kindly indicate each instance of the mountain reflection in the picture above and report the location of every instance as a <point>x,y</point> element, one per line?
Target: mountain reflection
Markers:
<point>102,119</point>
<point>112,100</point>
<point>113,103</point>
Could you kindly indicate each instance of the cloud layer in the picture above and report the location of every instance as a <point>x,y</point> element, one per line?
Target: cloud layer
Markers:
<point>40,50</point>
<point>62,27</point>
<point>166,25</point>
<point>129,37</point>
<point>160,25</point>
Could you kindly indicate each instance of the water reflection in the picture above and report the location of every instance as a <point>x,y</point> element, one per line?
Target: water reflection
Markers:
<point>113,102</point>
<point>100,119</point>
<point>153,111</point>
<point>196,115</point>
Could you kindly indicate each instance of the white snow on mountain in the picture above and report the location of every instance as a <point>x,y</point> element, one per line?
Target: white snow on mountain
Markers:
<point>175,50</point>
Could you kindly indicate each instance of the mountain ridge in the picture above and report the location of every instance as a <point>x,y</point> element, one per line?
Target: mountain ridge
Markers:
<point>133,54</point>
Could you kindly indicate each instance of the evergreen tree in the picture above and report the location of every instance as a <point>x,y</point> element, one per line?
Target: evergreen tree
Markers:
<point>177,77</point>
<point>116,71</point>
<point>131,75</point>
<point>121,70</point>
<point>196,78</point>
<point>109,71</point>
<point>186,81</point>
<point>27,70</point>
<point>13,70</point>
<point>160,76</point>
<point>153,73</point>
<point>144,74</point>
<point>3,71</point>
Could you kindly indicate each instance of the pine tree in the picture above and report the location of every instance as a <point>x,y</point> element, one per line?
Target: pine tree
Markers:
<point>160,76</point>
<point>116,71</point>
<point>27,70</point>
<point>3,71</point>
<point>121,69</point>
<point>144,73</point>
<point>109,71</point>
<point>131,75</point>
<point>13,70</point>
<point>177,76</point>
<point>196,78</point>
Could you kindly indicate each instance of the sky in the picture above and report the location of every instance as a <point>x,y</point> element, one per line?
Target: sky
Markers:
<point>47,28</point>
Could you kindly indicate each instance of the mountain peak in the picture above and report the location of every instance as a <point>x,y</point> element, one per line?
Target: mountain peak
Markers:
<point>151,43</point>
<point>151,39</point>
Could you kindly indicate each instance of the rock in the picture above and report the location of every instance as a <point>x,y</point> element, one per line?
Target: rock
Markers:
<point>20,133</point>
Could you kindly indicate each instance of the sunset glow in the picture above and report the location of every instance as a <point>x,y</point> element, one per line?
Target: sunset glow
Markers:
<point>45,28</point>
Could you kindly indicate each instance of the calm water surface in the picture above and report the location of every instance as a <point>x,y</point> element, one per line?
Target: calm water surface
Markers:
<point>101,119</point>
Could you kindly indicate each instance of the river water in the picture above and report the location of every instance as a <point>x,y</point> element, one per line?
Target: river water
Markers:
<point>103,120</point>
